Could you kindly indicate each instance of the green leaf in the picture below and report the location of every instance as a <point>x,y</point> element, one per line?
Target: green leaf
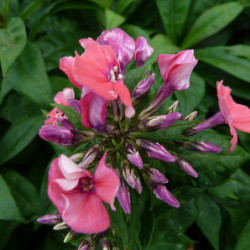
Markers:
<point>6,229</point>
<point>122,5</point>
<point>227,59</point>
<point>113,20</point>
<point>13,40</point>
<point>243,242</point>
<point>209,219</point>
<point>71,113</point>
<point>6,87</point>
<point>190,98</point>
<point>135,31</point>
<point>162,45</point>
<point>28,76</point>
<point>236,188</point>
<point>24,193</point>
<point>18,136</point>
<point>8,207</point>
<point>173,14</point>
<point>211,21</point>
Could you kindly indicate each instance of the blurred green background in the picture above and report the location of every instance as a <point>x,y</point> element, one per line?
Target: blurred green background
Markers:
<point>34,35</point>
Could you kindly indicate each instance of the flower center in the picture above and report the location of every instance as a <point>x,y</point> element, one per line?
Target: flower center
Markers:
<point>115,75</point>
<point>86,184</point>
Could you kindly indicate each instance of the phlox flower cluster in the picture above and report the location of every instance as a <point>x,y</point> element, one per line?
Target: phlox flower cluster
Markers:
<point>81,184</point>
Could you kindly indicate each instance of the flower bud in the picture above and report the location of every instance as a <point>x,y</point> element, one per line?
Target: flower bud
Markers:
<point>49,219</point>
<point>66,123</point>
<point>202,146</point>
<point>191,116</point>
<point>156,176</point>
<point>123,196</point>
<point>84,245</point>
<point>155,150</point>
<point>90,156</point>
<point>133,156</point>
<point>213,121</point>
<point>76,105</point>
<point>76,157</point>
<point>163,194</point>
<point>186,167</point>
<point>60,226</point>
<point>172,108</point>
<point>159,122</point>
<point>70,235</point>
<point>142,51</point>
<point>105,244</point>
<point>59,135</point>
<point>117,110</point>
<point>130,177</point>
<point>142,89</point>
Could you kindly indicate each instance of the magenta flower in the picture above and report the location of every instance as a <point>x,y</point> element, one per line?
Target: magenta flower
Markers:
<point>78,194</point>
<point>235,115</point>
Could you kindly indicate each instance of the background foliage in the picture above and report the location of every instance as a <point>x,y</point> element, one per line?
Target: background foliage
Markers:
<point>34,35</point>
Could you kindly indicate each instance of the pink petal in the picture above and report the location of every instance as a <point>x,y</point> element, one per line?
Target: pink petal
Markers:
<point>71,170</point>
<point>85,213</point>
<point>67,185</point>
<point>92,68</point>
<point>123,93</point>
<point>62,97</point>
<point>66,65</point>
<point>106,182</point>
<point>165,61</point>
<point>234,139</point>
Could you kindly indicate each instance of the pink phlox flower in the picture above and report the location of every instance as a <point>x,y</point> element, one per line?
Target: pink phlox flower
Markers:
<point>79,195</point>
<point>98,69</point>
<point>235,115</point>
<point>62,97</point>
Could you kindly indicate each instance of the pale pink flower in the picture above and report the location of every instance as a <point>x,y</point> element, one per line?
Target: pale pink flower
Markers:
<point>79,195</point>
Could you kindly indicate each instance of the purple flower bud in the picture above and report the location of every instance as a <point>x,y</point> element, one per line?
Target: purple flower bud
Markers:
<point>163,194</point>
<point>123,196</point>
<point>191,116</point>
<point>155,150</point>
<point>142,89</point>
<point>122,44</point>
<point>59,135</point>
<point>133,156</point>
<point>202,146</point>
<point>90,156</point>
<point>117,110</point>
<point>105,244</point>
<point>186,167</point>
<point>213,121</point>
<point>131,178</point>
<point>142,51</point>
<point>156,176</point>
<point>172,108</point>
<point>84,245</point>
<point>49,219</point>
<point>159,122</point>
<point>76,105</point>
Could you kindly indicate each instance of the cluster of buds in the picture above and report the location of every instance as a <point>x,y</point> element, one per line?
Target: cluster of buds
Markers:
<point>76,187</point>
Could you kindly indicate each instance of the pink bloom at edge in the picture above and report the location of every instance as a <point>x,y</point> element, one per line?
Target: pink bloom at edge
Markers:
<point>79,195</point>
<point>97,69</point>
<point>235,115</point>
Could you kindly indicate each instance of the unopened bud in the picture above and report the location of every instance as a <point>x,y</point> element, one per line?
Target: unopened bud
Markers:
<point>76,157</point>
<point>163,194</point>
<point>142,89</point>
<point>202,146</point>
<point>116,110</point>
<point>186,167</point>
<point>49,219</point>
<point>172,108</point>
<point>70,235</point>
<point>191,116</point>
<point>133,156</point>
<point>90,156</point>
<point>156,176</point>
<point>83,136</point>
<point>131,178</point>
<point>60,226</point>
<point>155,150</point>
<point>105,244</point>
<point>84,245</point>
<point>76,105</point>
<point>123,196</point>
